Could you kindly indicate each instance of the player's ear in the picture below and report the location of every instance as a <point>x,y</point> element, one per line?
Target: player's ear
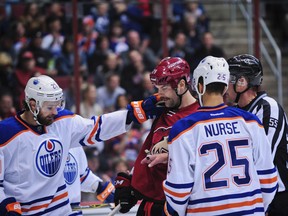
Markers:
<point>32,105</point>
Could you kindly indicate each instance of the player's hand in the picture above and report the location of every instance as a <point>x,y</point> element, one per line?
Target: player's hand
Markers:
<point>105,192</point>
<point>155,159</point>
<point>10,207</point>
<point>123,192</point>
<point>141,111</point>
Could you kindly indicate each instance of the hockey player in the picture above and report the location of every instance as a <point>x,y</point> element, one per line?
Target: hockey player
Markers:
<point>217,164</point>
<point>172,79</point>
<point>34,147</point>
<point>245,91</point>
<point>79,177</point>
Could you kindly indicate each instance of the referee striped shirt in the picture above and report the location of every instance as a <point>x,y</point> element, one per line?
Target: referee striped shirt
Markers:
<point>274,121</point>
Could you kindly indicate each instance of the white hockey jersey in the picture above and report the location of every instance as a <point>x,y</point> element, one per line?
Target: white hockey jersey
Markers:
<point>78,176</point>
<point>32,162</point>
<point>220,163</point>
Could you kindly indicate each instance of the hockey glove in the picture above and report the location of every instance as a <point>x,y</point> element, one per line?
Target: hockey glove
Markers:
<point>10,207</point>
<point>141,111</point>
<point>105,192</point>
<point>124,193</point>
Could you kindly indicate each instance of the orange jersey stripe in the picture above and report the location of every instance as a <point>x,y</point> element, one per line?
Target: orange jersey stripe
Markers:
<point>180,195</point>
<point>268,181</point>
<point>225,206</point>
<point>89,140</point>
<point>45,205</point>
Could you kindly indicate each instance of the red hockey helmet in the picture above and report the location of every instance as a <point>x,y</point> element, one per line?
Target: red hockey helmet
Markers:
<point>171,70</point>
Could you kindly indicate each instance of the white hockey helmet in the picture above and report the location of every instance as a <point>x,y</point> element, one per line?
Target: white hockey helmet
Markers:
<point>43,88</point>
<point>211,69</point>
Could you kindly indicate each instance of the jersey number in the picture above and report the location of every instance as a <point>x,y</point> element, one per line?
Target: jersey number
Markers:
<point>211,183</point>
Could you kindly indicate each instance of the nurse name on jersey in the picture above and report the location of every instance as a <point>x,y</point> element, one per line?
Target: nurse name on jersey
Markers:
<point>220,128</point>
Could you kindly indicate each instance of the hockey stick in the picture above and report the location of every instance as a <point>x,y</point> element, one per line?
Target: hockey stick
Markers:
<point>115,210</point>
<point>101,205</point>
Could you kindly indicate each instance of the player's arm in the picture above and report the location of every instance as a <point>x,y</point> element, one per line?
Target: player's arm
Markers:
<point>264,164</point>
<point>180,176</point>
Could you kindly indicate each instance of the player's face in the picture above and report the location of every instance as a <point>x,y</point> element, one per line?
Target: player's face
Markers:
<point>167,95</point>
<point>48,111</point>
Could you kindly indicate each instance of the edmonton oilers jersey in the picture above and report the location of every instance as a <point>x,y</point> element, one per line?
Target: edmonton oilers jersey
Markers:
<point>32,159</point>
<point>220,163</point>
<point>78,176</point>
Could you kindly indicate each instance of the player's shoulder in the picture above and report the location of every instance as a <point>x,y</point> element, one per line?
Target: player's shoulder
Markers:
<point>183,125</point>
<point>247,116</point>
<point>64,114</point>
<point>9,129</point>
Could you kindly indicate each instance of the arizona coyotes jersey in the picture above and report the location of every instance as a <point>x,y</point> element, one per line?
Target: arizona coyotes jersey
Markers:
<point>78,176</point>
<point>220,163</point>
<point>33,161</point>
<point>148,181</point>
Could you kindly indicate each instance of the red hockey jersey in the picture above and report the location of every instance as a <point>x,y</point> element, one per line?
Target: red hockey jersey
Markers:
<point>148,181</point>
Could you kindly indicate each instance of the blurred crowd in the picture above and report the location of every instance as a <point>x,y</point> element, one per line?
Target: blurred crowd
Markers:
<point>119,44</point>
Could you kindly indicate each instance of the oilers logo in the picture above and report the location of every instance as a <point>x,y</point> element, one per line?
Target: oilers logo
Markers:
<point>49,157</point>
<point>70,170</point>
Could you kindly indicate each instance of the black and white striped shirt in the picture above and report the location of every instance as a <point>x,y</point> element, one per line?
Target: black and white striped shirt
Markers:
<point>274,121</point>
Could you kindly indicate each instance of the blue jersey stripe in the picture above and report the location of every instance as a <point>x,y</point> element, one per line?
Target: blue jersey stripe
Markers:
<point>188,185</point>
<point>225,197</point>
<point>245,212</point>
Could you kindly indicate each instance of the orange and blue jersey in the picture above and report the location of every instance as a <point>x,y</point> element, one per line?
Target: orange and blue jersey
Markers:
<point>33,158</point>
<point>220,163</point>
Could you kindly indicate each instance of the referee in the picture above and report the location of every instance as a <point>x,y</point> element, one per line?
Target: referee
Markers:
<point>245,92</point>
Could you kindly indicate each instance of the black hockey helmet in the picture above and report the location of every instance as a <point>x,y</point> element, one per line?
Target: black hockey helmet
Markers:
<point>248,66</point>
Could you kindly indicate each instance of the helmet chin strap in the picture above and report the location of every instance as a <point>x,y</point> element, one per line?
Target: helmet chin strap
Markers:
<point>35,114</point>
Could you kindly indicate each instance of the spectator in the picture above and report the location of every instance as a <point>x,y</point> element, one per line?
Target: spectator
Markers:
<point>129,15</point>
<point>19,36</point>
<point>6,46</point>
<point>88,106</point>
<point>65,60</point>
<point>6,70</point>
<point>101,18</point>
<point>132,75</point>
<point>181,48</point>
<point>135,43</point>
<point>111,64</point>
<point>70,92</point>
<point>43,57</point>
<point>207,48</point>
<point>25,70</point>
<point>87,38</point>
<point>100,53</point>
<point>53,41</point>
<point>117,38</point>
<point>33,18</point>
<point>108,93</point>
<point>121,102</point>
<point>7,108</point>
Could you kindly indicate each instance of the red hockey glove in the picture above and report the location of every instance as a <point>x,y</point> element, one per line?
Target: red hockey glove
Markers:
<point>141,111</point>
<point>105,192</point>
<point>10,207</point>
<point>124,193</point>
